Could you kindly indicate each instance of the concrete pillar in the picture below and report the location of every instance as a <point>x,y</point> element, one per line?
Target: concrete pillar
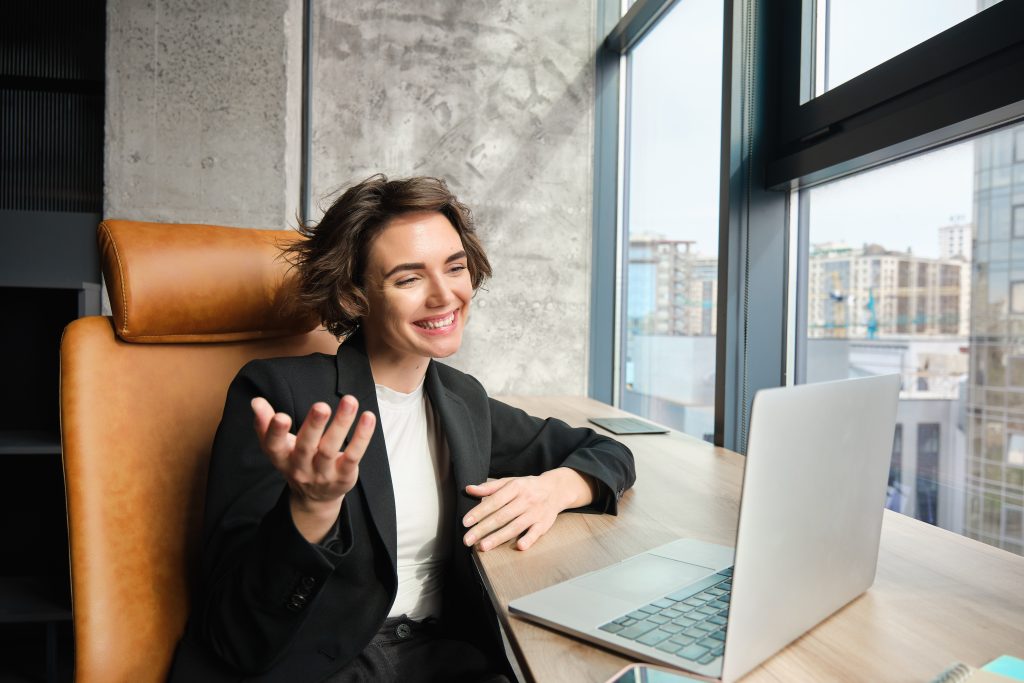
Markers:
<point>202,111</point>
<point>497,98</point>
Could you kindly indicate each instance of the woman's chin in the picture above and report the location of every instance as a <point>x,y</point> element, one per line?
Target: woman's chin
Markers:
<point>442,348</point>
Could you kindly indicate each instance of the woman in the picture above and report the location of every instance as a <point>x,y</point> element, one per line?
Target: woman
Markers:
<point>339,550</point>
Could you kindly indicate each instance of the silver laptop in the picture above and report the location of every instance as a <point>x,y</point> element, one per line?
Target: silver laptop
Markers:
<point>814,490</point>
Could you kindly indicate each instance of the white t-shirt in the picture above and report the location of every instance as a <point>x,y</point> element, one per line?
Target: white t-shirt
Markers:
<point>420,475</point>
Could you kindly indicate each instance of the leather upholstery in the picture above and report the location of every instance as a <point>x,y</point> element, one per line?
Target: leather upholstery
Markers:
<point>208,283</point>
<point>138,422</point>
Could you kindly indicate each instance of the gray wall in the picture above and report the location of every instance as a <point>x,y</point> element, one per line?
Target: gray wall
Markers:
<point>497,98</point>
<point>202,111</point>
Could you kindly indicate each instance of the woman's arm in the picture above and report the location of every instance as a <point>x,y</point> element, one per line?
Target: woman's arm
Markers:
<point>259,571</point>
<point>543,467</point>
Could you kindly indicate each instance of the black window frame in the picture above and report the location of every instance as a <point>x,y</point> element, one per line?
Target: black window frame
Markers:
<point>958,83</point>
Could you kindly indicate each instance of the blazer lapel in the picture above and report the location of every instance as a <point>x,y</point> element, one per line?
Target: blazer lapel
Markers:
<point>356,379</point>
<point>469,463</point>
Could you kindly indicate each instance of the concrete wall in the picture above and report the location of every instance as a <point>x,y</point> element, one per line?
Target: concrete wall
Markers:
<point>202,111</point>
<point>497,98</point>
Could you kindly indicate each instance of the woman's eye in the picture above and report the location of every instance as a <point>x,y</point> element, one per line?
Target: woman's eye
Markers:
<point>457,268</point>
<point>406,282</point>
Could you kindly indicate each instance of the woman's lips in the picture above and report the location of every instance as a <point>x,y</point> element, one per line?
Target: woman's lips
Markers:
<point>438,324</point>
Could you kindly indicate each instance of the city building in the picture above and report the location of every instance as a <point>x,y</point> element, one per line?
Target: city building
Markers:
<point>995,402</point>
<point>955,241</point>
<point>673,290</point>
<point>871,291</point>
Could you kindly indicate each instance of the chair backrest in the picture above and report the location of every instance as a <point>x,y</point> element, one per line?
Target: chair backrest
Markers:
<point>141,396</point>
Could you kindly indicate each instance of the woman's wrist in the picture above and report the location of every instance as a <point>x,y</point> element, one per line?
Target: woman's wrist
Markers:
<point>313,518</point>
<point>577,489</point>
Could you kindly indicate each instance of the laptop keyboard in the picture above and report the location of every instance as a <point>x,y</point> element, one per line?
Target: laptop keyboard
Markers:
<point>688,623</point>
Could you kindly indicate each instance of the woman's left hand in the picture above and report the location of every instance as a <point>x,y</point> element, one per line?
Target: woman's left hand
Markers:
<point>523,507</point>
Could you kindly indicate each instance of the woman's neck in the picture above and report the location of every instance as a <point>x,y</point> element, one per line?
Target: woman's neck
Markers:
<point>402,373</point>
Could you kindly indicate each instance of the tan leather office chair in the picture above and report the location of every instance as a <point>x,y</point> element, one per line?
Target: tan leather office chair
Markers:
<point>141,396</point>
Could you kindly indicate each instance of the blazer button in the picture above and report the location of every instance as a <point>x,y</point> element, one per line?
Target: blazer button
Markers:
<point>296,602</point>
<point>308,582</point>
<point>403,631</point>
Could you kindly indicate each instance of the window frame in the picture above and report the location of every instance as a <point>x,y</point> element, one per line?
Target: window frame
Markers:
<point>946,88</point>
<point>949,87</point>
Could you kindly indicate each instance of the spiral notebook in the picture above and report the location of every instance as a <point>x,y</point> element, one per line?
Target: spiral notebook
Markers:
<point>999,670</point>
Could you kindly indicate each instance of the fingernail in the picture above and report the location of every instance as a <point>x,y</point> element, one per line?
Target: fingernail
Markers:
<point>348,406</point>
<point>468,521</point>
<point>470,539</point>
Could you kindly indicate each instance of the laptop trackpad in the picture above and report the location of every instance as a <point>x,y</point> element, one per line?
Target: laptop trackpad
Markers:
<point>642,578</point>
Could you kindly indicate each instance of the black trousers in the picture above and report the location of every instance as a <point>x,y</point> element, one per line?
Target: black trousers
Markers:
<point>407,651</point>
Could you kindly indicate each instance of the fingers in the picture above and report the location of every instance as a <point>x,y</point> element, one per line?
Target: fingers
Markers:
<point>488,505</point>
<point>523,507</point>
<point>272,429</point>
<point>262,412</point>
<point>487,488</point>
<point>348,464</point>
<point>501,526</point>
<point>531,535</point>
<point>327,450</point>
<point>339,427</point>
<point>326,461</point>
<point>310,432</point>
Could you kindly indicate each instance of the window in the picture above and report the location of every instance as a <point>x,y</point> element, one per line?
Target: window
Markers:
<point>896,493</point>
<point>1017,297</point>
<point>942,321</point>
<point>1013,524</point>
<point>838,29</point>
<point>870,199</point>
<point>927,493</point>
<point>1015,449</point>
<point>670,239</point>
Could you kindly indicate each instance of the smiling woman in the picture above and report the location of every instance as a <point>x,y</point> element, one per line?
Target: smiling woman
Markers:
<point>332,548</point>
<point>418,288</point>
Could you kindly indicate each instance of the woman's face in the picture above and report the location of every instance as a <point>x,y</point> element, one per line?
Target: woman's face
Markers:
<point>418,286</point>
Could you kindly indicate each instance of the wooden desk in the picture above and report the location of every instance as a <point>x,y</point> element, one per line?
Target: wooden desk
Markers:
<point>938,597</point>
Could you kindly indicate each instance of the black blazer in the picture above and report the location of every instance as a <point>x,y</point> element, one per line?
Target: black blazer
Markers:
<point>273,607</point>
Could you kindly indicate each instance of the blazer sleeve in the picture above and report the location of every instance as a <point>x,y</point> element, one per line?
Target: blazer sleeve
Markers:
<point>523,445</point>
<point>258,572</point>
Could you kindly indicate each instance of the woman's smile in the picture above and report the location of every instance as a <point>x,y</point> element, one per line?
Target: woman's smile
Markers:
<point>441,324</point>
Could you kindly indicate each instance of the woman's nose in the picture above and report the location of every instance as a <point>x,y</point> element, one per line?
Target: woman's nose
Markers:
<point>440,293</point>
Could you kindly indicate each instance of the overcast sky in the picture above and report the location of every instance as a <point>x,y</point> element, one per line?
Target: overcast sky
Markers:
<point>675,131</point>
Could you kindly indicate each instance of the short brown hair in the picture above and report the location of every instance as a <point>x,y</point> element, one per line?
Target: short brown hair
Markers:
<point>332,259</point>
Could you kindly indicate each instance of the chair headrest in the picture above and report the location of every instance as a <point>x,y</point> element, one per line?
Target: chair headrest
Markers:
<point>174,283</point>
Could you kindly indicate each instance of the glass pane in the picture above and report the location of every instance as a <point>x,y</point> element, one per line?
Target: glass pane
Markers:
<point>911,270</point>
<point>853,36</point>
<point>667,354</point>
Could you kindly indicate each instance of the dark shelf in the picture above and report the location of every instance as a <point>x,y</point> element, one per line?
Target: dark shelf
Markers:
<point>27,442</point>
<point>26,599</point>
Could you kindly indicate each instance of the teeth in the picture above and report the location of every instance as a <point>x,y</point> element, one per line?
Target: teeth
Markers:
<point>435,324</point>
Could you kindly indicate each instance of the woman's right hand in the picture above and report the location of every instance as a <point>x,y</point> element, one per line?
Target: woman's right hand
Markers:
<point>318,473</point>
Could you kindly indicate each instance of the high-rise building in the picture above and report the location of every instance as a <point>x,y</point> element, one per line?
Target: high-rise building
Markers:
<point>672,289</point>
<point>871,291</point>
<point>955,241</point>
<point>994,485</point>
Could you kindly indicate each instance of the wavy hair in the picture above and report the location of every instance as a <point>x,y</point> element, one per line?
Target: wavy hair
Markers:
<point>332,258</point>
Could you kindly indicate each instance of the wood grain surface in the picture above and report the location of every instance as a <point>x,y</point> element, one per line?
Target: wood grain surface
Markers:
<point>938,597</point>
